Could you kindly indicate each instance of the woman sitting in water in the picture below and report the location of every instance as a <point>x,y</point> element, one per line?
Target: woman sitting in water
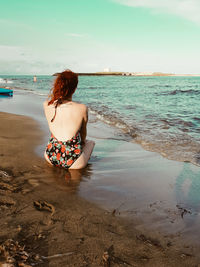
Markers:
<point>67,122</point>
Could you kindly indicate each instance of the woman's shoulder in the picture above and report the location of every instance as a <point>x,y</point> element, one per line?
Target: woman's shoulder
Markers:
<point>46,104</point>
<point>80,106</point>
<point>76,105</point>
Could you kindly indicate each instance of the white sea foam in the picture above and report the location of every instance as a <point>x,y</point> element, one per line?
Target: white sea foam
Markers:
<point>31,91</point>
<point>3,81</point>
<point>38,93</point>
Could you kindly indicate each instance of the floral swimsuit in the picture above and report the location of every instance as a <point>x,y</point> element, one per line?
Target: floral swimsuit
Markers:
<point>64,153</point>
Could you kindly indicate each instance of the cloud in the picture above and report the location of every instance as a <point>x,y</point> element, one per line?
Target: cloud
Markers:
<point>12,53</point>
<point>27,60</point>
<point>188,9</point>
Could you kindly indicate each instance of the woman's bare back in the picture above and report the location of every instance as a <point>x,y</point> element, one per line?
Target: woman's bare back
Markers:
<point>71,117</point>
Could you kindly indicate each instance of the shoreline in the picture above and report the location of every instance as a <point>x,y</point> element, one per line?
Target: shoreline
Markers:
<point>168,152</point>
<point>86,231</point>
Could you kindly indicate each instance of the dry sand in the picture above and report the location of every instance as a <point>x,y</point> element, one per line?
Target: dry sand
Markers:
<point>44,223</point>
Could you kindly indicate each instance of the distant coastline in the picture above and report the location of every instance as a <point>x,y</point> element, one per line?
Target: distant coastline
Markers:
<point>118,73</point>
<point>134,74</point>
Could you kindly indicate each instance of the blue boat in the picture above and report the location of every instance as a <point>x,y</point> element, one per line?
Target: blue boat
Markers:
<point>6,92</point>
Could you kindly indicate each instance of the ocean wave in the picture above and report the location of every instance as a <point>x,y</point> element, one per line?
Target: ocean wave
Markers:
<point>39,93</point>
<point>95,87</point>
<point>178,123</point>
<point>5,81</point>
<point>28,90</point>
<point>178,146</point>
<point>115,121</point>
<point>177,91</point>
<point>196,119</point>
<point>159,86</point>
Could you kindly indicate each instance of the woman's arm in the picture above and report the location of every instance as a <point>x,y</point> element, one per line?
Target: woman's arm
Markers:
<point>83,130</point>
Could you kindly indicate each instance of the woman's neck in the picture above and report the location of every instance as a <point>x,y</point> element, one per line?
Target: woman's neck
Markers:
<point>69,99</point>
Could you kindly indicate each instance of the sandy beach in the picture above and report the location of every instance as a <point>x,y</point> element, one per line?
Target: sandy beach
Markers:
<point>66,230</point>
<point>89,217</point>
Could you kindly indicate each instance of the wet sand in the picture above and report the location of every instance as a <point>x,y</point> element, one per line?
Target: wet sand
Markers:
<point>157,199</point>
<point>41,210</point>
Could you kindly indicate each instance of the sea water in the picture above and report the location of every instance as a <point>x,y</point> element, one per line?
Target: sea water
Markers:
<point>160,113</point>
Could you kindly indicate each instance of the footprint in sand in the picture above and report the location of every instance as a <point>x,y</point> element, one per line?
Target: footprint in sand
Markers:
<point>7,187</point>
<point>6,202</point>
<point>4,174</point>
<point>33,182</point>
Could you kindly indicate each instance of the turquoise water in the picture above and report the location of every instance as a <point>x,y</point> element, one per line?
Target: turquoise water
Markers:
<point>160,113</point>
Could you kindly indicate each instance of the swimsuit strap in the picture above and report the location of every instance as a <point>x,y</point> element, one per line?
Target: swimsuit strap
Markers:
<point>58,102</point>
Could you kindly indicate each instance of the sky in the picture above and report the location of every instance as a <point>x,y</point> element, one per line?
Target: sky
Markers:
<point>48,36</point>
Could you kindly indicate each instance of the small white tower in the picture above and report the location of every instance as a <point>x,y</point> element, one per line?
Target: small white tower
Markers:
<point>106,70</point>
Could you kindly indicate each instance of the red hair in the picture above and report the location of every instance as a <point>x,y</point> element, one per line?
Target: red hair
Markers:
<point>64,86</point>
